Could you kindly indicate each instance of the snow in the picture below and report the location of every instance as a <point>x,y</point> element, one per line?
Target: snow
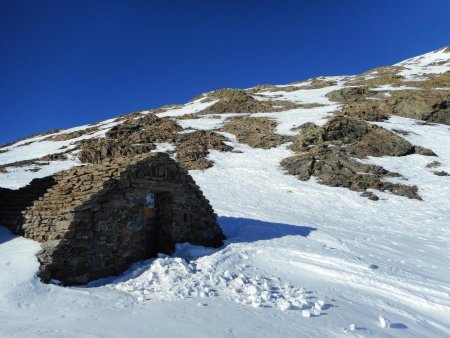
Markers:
<point>218,274</point>
<point>300,259</point>
<point>392,88</point>
<point>28,151</point>
<point>103,125</point>
<point>413,167</point>
<point>164,147</point>
<point>17,177</point>
<point>206,122</point>
<point>435,62</point>
<point>33,148</point>
<point>304,96</point>
<point>291,119</point>
<point>189,108</point>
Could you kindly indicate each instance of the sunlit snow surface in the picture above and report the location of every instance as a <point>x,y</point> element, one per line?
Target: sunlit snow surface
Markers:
<point>435,62</point>
<point>301,259</point>
<point>37,147</point>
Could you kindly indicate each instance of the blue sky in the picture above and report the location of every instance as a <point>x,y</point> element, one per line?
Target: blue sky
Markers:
<point>65,63</point>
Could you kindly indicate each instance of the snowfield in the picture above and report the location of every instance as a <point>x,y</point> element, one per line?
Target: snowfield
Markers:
<point>435,62</point>
<point>301,259</point>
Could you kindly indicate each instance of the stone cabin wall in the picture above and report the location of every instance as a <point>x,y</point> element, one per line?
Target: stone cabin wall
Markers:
<point>13,202</point>
<point>91,221</point>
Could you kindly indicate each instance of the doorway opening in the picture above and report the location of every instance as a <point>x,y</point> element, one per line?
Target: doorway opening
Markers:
<point>158,224</point>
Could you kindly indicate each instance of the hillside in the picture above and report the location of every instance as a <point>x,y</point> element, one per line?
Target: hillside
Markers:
<point>333,193</point>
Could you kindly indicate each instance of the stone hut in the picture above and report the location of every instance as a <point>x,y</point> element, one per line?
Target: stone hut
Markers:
<point>93,221</point>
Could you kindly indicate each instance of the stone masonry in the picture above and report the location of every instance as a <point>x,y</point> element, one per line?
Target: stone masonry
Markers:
<point>91,222</point>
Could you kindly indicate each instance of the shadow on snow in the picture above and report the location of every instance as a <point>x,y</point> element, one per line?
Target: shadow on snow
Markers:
<point>246,230</point>
<point>6,235</point>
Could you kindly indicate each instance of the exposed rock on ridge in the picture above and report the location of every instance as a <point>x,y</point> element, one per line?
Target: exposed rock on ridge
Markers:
<point>255,131</point>
<point>239,101</point>
<point>329,153</point>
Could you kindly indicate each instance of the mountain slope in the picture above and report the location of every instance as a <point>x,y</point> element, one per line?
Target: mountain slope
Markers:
<point>307,252</point>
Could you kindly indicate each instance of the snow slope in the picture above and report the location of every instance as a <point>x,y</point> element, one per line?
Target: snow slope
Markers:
<point>301,259</point>
<point>435,62</point>
<point>36,147</point>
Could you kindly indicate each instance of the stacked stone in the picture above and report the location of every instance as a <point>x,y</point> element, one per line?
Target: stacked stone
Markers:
<point>91,223</point>
<point>13,202</point>
<point>51,215</point>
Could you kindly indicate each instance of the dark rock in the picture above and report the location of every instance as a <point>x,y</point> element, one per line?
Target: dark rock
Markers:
<point>440,113</point>
<point>256,132</point>
<point>345,129</point>
<point>380,142</point>
<point>309,135</point>
<point>54,157</point>
<point>369,110</point>
<point>132,137</point>
<point>360,138</point>
<point>193,148</point>
<point>423,151</point>
<point>427,105</point>
<point>370,195</point>
<point>97,150</point>
<point>332,167</point>
<point>239,101</point>
<point>329,153</point>
<point>433,164</point>
<point>350,94</point>
<point>401,132</point>
<point>147,129</point>
<point>441,173</point>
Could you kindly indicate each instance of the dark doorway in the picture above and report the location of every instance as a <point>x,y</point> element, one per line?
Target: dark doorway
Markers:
<point>158,224</point>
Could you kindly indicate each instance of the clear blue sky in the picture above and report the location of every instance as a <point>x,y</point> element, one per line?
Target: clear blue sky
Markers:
<point>65,63</point>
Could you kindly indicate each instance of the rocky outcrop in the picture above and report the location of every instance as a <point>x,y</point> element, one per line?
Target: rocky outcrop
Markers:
<point>348,94</point>
<point>431,106</point>
<point>317,83</point>
<point>369,110</point>
<point>255,131</point>
<point>140,135</point>
<point>54,157</point>
<point>329,153</point>
<point>426,105</point>
<point>239,101</point>
<point>334,168</point>
<point>147,129</point>
<point>359,138</point>
<point>193,148</point>
<point>440,112</point>
<point>97,150</point>
<point>91,220</point>
<point>132,137</point>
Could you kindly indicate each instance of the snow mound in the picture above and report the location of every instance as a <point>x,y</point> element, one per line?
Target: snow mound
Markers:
<point>219,274</point>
